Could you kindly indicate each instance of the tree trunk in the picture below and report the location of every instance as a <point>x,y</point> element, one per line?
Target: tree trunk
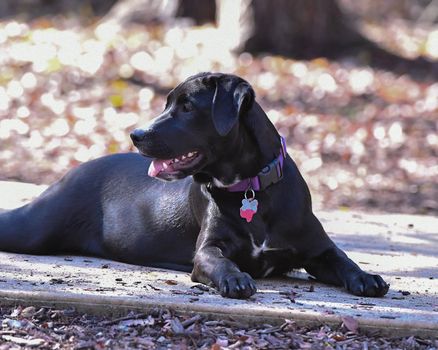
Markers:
<point>298,27</point>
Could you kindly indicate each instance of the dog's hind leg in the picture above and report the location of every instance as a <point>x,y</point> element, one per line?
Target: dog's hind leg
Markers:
<point>17,234</point>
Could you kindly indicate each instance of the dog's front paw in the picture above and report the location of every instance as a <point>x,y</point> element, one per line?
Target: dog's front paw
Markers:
<point>367,285</point>
<point>237,285</point>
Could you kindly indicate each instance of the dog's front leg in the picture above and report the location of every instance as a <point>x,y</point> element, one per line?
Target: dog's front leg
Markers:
<point>334,267</point>
<point>329,264</point>
<point>212,267</point>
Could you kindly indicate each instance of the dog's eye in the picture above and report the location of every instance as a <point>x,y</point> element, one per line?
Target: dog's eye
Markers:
<point>187,106</point>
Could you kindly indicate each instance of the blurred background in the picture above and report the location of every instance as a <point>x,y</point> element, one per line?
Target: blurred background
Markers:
<point>352,85</point>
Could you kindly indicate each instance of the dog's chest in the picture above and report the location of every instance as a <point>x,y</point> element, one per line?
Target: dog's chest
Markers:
<point>267,254</point>
<point>258,249</point>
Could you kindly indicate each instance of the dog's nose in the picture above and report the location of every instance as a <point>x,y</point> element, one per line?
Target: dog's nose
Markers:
<point>138,135</point>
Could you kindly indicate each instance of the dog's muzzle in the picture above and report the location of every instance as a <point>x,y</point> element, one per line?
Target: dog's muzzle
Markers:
<point>150,144</point>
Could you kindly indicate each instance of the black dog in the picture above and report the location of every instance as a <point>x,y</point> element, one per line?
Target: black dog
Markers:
<point>242,210</point>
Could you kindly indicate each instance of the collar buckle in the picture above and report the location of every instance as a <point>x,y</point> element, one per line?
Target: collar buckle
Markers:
<point>270,174</point>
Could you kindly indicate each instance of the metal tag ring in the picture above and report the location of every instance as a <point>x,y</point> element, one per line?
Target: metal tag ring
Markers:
<point>250,190</point>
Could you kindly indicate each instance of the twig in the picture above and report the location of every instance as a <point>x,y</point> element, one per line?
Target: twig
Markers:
<point>190,321</point>
<point>128,317</point>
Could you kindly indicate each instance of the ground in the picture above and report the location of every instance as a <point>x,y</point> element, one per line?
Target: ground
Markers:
<point>292,311</point>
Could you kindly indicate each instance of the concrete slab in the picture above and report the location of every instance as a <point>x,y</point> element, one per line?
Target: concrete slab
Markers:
<point>403,248</point>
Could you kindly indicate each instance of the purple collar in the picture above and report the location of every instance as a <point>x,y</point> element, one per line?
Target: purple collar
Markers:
<point>270,174</point>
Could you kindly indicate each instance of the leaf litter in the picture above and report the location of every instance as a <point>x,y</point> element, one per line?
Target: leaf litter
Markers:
<point>46,328</point>
<point>364,138</point>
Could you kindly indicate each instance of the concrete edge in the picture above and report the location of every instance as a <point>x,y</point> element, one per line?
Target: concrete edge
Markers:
<point>117,306</point>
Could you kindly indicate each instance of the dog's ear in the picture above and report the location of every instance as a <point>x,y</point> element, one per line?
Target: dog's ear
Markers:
<point>243,98</point>
<point>229,104</point>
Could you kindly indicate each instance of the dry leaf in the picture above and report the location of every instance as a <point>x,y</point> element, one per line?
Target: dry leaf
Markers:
<point>171,282</point>
<point>350,323</point>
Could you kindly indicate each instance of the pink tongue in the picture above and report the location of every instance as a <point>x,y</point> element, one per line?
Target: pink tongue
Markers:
<point>156,167</point>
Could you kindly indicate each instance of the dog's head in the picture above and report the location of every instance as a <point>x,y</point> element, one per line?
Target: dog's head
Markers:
<point>199,125</point>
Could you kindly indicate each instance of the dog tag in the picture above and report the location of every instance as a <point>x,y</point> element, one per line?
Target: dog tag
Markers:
<point>248,208</point>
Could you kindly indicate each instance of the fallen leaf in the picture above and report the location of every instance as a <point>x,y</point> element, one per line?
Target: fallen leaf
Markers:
<point>350,323</point>
<point>28,312</point>
<point>171,282</point>
<point>138,322</point>
<point>24,341</point>
<point>176,326</point>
